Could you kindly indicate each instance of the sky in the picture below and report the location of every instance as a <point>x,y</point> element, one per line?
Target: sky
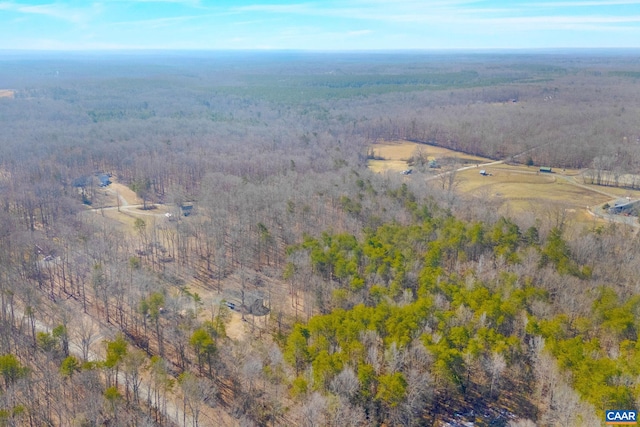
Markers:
<point>318,25</point>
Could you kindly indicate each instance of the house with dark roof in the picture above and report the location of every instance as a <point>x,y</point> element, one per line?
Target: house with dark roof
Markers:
<point>80,182</point>
<point>85,181</point>
<point>104,179</point>
<point>624,207</point>
<point>187,209</point>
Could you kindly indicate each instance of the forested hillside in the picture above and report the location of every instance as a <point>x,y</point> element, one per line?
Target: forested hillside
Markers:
<point>195,239</point>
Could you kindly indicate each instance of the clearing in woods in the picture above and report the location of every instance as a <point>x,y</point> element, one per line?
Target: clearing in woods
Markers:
<point>131,207</point>
<point>105,208</point>
<point>513,189</point>
<point>518,189</point>
<point>393,155</point>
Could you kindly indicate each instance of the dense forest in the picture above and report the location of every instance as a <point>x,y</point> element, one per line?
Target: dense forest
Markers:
<point>263,275</point>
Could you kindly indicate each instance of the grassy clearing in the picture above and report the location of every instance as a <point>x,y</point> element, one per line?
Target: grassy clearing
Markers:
<point>618,192</point>
<point>125,220</point>
<point>519,189</point>
<point>236,329</point>
<point>128,215</point>
<point>525,185</point>
<point>395,154</point>
<point>125,193</point>
<point>381,166</point>
<point>106,202</point>
<point>515,189</point>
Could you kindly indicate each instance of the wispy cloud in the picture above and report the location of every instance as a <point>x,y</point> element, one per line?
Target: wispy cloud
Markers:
<point>518,17</point>
<point>359,33</point>
<point>571,19</point>
<point>185,2</point>
<point>281,8</point>
<point>587,3</point>
<point>412,3</point>
<point>343,24</point>
<point>157,22</point>
<point>377,10</point>
<point>60,11</point>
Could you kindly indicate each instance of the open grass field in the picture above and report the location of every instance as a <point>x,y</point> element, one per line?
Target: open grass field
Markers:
<point>520,189</point>
<point>6,93</point>
<point>396,153</point>
<point>381,166</point>
<point>515,189</point>
<point>125,193</point>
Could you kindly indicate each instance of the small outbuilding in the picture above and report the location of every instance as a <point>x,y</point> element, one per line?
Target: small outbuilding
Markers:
<point>483,172</point>
<point>258,308</point>
<point>546,169</point>
<point>187,209</point>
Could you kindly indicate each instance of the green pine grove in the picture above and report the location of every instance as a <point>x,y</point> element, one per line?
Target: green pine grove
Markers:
<point>451,289</point>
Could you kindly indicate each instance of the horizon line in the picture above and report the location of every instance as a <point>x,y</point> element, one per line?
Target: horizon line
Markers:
<point>295,50</point>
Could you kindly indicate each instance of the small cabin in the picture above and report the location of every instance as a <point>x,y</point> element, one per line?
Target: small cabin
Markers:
<point>545,169</point>
<point>187,209</point>
<point>483,172</point>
